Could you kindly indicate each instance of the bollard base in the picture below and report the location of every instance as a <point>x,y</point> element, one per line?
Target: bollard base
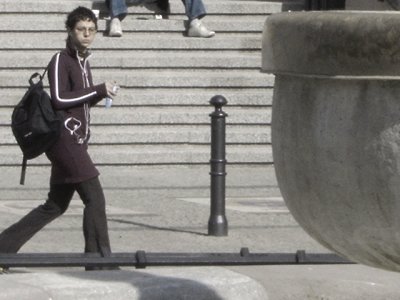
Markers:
<point>218,226</point>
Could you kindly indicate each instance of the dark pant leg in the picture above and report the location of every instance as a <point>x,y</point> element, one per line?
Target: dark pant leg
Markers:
<point>163,5</point>
<point>194,9</point>
<point>117,8</point>
<point>14,237</point>
<point>95,227</point>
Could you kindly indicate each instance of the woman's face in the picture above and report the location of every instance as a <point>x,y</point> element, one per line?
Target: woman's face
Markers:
<point>83,34</point>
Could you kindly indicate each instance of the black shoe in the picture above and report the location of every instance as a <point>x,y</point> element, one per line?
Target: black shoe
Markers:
<point>104,252</point>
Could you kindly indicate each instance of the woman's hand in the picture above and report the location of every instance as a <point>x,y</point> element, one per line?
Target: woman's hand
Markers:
<point>112,88</point>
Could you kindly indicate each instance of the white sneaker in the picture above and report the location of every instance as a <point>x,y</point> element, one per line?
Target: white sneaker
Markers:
<point>198,29</point>
<point>115,28</point>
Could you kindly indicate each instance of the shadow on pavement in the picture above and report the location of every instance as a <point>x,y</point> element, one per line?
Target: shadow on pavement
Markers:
<point>154,227</point>
<point>138,285</point>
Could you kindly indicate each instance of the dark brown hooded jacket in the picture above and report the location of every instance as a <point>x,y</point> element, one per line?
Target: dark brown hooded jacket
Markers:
<point>72,92</point>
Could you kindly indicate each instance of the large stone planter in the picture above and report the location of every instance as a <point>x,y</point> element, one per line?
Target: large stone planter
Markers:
<point>336,128</point>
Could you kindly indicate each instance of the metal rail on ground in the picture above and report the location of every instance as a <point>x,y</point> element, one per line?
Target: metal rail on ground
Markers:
<point>142,259</point>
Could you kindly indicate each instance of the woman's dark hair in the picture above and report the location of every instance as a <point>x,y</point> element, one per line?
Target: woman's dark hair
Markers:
<point>80,14</point>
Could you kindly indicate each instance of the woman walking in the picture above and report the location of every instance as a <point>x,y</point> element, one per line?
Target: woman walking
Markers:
<point>73,93</point>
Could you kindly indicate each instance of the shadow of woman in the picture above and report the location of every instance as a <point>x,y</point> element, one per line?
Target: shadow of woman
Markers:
<point>151,284</point>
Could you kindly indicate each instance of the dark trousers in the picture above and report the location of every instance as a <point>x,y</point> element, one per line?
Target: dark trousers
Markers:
<point>94,217</point>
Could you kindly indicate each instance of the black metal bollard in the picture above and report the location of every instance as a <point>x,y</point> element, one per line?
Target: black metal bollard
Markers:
<point>217,224</point>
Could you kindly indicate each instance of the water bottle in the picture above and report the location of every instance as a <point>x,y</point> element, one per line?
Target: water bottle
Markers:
<point>108,102</point>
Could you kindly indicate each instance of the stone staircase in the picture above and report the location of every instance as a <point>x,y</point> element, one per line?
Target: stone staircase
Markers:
<point>161,115</point>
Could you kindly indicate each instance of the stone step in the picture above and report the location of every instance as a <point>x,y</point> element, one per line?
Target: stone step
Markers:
<point>166,134</point>
<point>163,78</point>
<point>245,97</point>
<point>46,6</point>
<point>20,59</point>
<point>151,154</point>
<point>217,7</point>
<point>56,23</point>
<point>176,6</point>
<point>133,41</point>
<point>163,116</point>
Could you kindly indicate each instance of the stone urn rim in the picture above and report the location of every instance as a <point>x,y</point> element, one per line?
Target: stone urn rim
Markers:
<point>340,44</point>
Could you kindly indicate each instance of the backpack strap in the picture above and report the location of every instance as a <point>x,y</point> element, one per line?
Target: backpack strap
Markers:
<point>44,72</point>
<point>23,171</point>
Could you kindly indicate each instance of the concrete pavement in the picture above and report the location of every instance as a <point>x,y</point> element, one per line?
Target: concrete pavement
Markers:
<point>168,212</point>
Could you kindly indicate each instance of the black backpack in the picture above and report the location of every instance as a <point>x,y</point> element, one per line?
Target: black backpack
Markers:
<point>35,124</point>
